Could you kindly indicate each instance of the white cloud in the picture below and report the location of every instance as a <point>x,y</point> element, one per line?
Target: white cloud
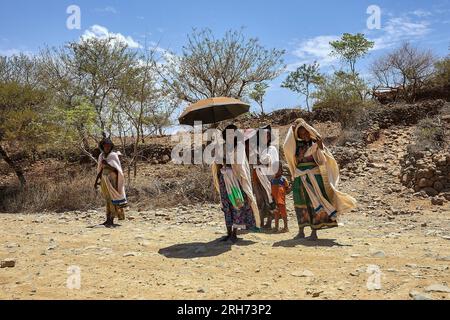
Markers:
<point>396,29</point>
<point>400,29</point>
<point>314,49</point>
<point>101,32</point>
<point>107,9</point>
<point>421,13</point>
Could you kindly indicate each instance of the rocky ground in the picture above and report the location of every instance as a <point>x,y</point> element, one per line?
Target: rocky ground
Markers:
<point>395,245</point>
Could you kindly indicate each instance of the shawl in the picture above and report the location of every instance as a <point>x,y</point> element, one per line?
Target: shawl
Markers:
<point>242,173</point>
<point>117,196</point>
<point>328,166</point>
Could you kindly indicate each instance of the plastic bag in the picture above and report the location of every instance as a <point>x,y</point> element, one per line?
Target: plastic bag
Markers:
<point>233,188</point>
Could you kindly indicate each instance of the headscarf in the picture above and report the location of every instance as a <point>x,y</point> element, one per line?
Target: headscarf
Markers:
<point>101,144</point>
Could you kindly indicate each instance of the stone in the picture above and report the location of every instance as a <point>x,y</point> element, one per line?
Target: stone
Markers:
<point>316,294</point>
<point>144,243</point>
<point>438,186</point>
<point>130,254</point>
<point>437,201</point>
<point>378,254</point>
<point>8,263</point>
<point>430,191</point>
<point>423,183</point>
<point>443,258</point>
<point>437,288</point>
<point>419,296</point>
<point>302,274</point>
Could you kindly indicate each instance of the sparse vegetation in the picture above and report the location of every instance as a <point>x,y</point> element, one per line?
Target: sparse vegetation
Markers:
<point>429,134</point>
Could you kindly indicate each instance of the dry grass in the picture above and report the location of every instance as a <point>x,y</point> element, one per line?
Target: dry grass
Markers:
<point>72,192</point>
<point>155,187</point>
<point>429,134</point>
<point>172,185</point>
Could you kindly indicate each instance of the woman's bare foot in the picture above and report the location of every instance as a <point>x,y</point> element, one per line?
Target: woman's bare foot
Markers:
<point>300,235</point>
<point>228,236</point>
<point>313,236</point>
<point>234,237</point>
<point>109,222</point>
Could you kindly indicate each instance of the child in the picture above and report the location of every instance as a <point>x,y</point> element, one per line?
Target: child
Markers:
<point>280,187</point>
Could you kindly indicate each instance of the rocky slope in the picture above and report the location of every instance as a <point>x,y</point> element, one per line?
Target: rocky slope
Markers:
<point>395,245</point>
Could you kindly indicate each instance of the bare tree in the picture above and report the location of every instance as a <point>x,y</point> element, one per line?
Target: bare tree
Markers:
<point>407,68</point>
<point>229,66</point>
<point>141,99</point>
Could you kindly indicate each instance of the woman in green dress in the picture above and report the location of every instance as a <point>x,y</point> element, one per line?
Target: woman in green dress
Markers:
<point>315,173</point>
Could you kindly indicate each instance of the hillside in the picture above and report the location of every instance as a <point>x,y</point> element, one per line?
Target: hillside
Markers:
<point>165,250</point>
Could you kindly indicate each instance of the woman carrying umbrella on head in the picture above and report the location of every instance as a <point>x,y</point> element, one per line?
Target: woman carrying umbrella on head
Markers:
<point>233,183</point>
<point>315,173</point>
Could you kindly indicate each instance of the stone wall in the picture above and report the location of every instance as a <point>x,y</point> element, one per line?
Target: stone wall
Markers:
<point>427,173</point>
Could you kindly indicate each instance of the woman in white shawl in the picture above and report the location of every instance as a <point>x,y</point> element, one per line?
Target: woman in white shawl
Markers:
<point>109,170</point>
<point>315,173</point>
<point>262,171</point>
<point>233,183</point>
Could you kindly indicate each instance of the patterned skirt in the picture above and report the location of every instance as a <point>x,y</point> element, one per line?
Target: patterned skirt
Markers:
<point>238,218</point>
<point>307,216</point>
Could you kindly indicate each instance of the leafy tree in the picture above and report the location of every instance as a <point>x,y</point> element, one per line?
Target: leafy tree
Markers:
<point>229,66</point>
<point>441,75</point>
<point>303,79</point>
<point>350,48</point>
<point>23,125</point>
<point>89,69</point>
<point>258,93</point>
<point>143,101</point>
<point>343,93</point>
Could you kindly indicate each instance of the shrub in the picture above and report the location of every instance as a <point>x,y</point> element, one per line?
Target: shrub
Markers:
<point>429,134</point>
<point>343,94</point>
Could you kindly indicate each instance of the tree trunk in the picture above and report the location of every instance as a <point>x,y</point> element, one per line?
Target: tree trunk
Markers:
<point>17,169</point>
<point>307,97</point>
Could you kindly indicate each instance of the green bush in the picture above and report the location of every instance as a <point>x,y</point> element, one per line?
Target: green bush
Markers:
<point>344,94</point>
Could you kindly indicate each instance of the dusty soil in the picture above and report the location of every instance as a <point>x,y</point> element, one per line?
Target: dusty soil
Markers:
<point>174,253</point>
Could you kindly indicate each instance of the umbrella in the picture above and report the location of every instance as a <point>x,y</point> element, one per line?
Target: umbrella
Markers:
<point>213,110</point>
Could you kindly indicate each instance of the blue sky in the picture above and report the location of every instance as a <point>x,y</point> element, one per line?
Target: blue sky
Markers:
<point>302,28</point>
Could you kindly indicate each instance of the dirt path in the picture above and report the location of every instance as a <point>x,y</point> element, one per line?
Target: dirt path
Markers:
<point>174,254</point>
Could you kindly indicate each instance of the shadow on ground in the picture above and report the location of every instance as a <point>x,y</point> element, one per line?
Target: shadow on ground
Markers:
<point>290,243</point>
<point>200,249</point>
<point>115,225</point>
